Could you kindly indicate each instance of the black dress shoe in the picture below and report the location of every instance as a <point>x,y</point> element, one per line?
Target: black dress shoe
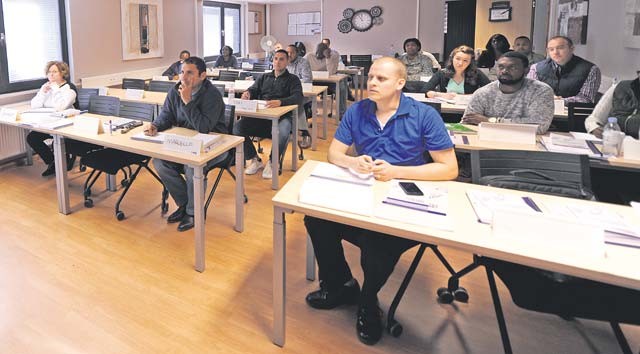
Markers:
<point>177,215</point>
<point>326,299</point>
<point>186,223</point>
<point>369,324</point>
<point>50,171</point>
<point>71,160</point>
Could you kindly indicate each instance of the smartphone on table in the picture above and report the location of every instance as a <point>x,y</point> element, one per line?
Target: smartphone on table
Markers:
<point>410,188</point>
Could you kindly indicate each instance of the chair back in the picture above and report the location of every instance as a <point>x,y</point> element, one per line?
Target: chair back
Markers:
<point>229,117</point>
<point>435,105</point>
<point>578,112</point>
<point>161,86</point>
<point>253,74</point>
<point>343,57</point>
<point>362,60</point>
<point>83,97</point>
<point>261,66</point>
<point>137,84</point>
<point>562,167</point>
<point>228,75</point>
<point>105,105</point>
<point>220,89</point>
<point>137,110</point>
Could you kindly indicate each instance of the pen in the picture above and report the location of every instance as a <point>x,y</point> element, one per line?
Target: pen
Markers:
<point>110,128</point>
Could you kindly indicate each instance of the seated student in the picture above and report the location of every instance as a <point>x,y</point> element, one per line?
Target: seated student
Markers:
<point>459,77</point>
<point>299,67</point>
<point>513,98</point>
<point>174,70</point>
<point>496,46</point>
<point>418,65</point>
<point>621,101</point>
<point>522,45</point>
<point>226,58</point>
<point>278,88</point>
<point>276,47</point>
<point>193,103</point>
<point>58,94</point>
<point>334,52</point>
<point>570,77</point>
<point>391,134</point>
<point>324,59</point>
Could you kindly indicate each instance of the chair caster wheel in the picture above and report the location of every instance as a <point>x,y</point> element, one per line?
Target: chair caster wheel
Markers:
<point>461,295</point>
<point>120,216</point>
<point>82,168</point>
<point>394,328</point>
<point>87,193</point>
<point>165,208</point>
<point>88,203</point>
<point>445,296</point>
<point>246,199</point>
<point>300,157</point>
<point>124,183</point>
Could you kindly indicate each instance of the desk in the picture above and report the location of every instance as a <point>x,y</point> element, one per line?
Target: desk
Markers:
<point>151,97</point>
<point>358,79</point>
<point>313,94</point>
<point>274,114</point>
<point>460,108</point>
<point>468,235</point>
<point>125,143</point>
<point>333,79</point>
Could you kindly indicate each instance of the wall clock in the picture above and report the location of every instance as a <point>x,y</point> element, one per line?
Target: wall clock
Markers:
<point>360,20</point>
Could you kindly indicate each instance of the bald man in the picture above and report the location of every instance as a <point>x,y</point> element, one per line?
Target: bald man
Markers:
<point>390,132</point>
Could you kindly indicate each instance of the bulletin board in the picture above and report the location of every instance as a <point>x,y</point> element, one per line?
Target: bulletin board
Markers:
<point>572,20</point>
<point>304,24</point>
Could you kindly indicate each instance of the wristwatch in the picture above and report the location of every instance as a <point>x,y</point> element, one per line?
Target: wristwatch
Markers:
<point>493,120</point>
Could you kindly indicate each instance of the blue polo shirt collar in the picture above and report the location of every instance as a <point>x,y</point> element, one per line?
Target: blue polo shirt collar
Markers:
<point>404,109</point>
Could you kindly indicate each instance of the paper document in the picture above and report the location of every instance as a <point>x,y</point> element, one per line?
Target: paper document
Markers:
<point>569,145</point>
<point>584,136</point>
<point>486,203</point>
<point>56,124</point>
<point>333,172</point>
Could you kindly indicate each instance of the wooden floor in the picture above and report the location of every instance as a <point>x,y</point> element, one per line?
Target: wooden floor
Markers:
<point>86,283</point>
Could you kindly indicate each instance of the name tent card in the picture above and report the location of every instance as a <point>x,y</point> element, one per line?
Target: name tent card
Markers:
<point>307,86</point>
<point>134,94</point>
<point>103,91</point>
<point>88,125</point>
<point>245,105</point>
<point>8,115</point>
<point>179,143</point>
<point>320,74</point>
<point>508,133</point>
<point>558,106</point>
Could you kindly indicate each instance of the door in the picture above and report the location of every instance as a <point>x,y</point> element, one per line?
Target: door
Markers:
<point>461,25</point>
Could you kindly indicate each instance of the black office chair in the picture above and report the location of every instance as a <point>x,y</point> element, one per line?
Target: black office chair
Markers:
<point>255,75</point>
<point>578,113</point>
<point>84,94</point>
<point>104,105</point>
<point>161,86</point>
<point>137,84</point>
<point>228,75</point>
<point>261,66</point>
<point>363,61</point>
<point>111,161</point>
<point>343,57</point>
<point>220,88</point>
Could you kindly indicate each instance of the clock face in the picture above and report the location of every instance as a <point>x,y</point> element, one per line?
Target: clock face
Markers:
<point>362,20</point>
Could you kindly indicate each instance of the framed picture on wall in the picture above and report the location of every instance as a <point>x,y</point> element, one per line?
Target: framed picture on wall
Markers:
<point>255,22</point>
<point>142,35</point>
<point>572,20</point>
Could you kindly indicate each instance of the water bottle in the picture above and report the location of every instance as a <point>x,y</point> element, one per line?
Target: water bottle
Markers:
<point>232,92</point>
<point>611,138</point>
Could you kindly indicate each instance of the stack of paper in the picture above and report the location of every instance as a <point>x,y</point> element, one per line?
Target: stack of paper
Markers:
<point>333,187</point>
<point>208,140</point>
<point>571,145</point>
<point>158,138</point>
<point>429,210</point>
<point>486,203</point>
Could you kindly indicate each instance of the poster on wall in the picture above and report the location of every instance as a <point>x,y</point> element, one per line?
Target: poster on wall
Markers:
<point>572,20</point>
<point>142,35</point>
<point>632,24</point>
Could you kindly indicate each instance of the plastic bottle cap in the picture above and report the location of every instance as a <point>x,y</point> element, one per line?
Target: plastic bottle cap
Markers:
<point>612,120</point>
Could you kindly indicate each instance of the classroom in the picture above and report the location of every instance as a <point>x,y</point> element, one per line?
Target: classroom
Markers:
<point>480,158</point>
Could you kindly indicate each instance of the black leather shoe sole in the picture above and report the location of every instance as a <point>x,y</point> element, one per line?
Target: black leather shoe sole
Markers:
<point>177,215</point>
<point>50,171</point>
<point>369,326</point>
<point>186,223</point>
<point>323,300</point>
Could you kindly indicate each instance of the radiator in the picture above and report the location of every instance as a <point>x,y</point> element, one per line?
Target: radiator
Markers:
<point>12,143</point>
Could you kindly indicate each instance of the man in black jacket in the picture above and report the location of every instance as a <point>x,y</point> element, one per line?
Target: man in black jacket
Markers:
<point>194,103</point>
<point>278,88</point>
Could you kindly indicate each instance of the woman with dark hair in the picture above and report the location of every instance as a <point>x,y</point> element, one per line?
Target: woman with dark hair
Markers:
<point>226,58</point>
<point>460,76</point>
<point>496,46</point>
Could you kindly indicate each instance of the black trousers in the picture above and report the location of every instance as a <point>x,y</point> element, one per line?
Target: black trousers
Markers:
<point>36,141</point>
<point>379,254</point>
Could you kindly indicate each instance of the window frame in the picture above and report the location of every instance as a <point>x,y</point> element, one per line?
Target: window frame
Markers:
<point>5,85</point>
<point>222,6</point>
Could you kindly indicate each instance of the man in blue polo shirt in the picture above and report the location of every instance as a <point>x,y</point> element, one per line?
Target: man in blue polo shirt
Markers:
<point>391,133</point>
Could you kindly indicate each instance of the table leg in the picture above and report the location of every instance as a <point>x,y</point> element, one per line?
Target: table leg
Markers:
<point>311,260</point>
<point>275,153</point>
<point>294,141</point>
<point>337,116</point>
<point>279,276</point>
<point>356,86</point>
<point>239,188</point>
<point>60,158</point>
<point>314,120</point>
<point>28,158</point>
<point>324,115</point>
<point>110,181</point>
<point>198,217</point>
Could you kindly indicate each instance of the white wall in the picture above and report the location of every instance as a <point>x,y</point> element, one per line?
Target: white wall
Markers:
<point>279,21</point>
<point>431,26</point>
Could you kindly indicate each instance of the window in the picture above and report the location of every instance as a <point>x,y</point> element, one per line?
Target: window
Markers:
<point>32,32</point>
<point>221,26</point>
